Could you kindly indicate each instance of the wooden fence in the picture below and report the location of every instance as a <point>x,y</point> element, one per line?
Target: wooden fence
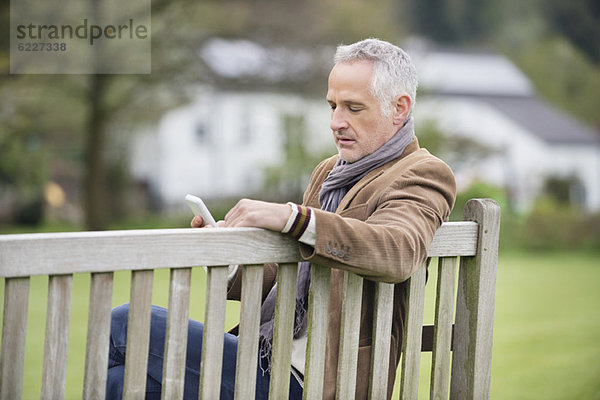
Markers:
<point>464,375</point>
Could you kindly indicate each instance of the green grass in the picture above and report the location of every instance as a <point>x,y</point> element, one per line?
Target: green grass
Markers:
<point>79,315</point>
<point>546,334</point>
<point>547,327</point>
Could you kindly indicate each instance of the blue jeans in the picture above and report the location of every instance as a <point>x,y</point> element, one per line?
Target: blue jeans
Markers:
<point>158,323</point>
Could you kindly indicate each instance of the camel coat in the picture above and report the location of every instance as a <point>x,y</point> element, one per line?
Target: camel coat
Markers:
<point>380,231</point>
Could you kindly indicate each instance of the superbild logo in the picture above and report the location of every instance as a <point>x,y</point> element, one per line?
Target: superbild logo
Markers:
<point>90,32</point>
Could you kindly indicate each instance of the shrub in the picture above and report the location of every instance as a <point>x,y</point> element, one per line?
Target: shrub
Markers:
<point>551,225</point>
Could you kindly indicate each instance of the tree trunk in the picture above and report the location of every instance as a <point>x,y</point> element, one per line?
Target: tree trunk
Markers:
<point>96,213</point>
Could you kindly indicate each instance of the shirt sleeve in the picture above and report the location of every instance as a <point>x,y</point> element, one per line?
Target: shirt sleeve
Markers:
<point>301,224</point>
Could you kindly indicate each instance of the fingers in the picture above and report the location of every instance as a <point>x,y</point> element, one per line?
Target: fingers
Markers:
<point>258,214</point>
<point>232,218</point>
<point>241,214</point>
<point>197,222</point>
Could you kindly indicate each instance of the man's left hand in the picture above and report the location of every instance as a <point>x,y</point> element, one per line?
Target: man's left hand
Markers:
<point>259,214</point>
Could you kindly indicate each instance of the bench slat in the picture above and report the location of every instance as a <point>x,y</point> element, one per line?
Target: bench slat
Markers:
<point>454,239</point>
<point>349,335</point>
<point>176,334</point>
<point>14,332</point>
<point>472,358</point>
<point>413,330</point>
<point>318,307</point>
<point>381,342</point>
<point>281,358</point>
<point>78,252</point>
<point>138,330</point>
<point>81,252</point>
<point>247,353</point>
<point>98,335</point>
<point>442,336</point>
<point>212,340</point>
<point>57,336</point>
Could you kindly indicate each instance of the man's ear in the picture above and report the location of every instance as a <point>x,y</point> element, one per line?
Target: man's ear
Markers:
<point>401,109</point>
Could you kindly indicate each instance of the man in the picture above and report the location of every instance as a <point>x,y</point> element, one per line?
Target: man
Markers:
<point>372,209</point>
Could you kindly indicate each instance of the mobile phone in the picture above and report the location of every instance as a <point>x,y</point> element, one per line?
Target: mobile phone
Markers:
<point>198,208</point>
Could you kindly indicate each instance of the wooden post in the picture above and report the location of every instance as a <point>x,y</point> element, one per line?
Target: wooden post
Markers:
<point>57,336</point>
<point>349,336</point>
<point>14,332</point>
<point>247,352</point>
<point>413,333</point>
<point>318,307</point>
<point>176,335</point>
<point>211,364</point>
<point>382,336</point>
<point>472,359</point>
<point>138,335</point>
<point>98,334</point>
<point>442,331</point>
<point>281,359</point>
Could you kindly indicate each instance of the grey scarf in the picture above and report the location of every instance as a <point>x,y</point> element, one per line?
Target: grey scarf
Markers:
<point>340,180</point>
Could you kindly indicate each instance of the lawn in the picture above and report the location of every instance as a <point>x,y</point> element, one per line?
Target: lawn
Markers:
<point>546,330</point>
<point>547,326</point>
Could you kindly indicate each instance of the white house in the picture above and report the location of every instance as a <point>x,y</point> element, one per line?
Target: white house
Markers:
<point>219,144</point>
<point>486,98</point>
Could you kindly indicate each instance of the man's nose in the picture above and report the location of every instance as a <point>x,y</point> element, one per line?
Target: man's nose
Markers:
<point>338,121</point>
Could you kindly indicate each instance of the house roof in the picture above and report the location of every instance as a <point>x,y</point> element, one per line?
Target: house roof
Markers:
<point>470,73</point>
<point>240,58</point>
<point>545,121</point>
<point>496,81</point>
<point>252,65</point>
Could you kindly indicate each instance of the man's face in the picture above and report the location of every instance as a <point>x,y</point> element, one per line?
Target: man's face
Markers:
<point>358,126</point>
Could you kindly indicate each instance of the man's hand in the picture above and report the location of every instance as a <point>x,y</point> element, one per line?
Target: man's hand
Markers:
<point>198,222</point>
<point>259,214</point>
<point>252,213</point>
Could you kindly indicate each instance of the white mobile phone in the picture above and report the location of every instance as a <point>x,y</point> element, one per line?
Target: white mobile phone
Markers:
<point>198,208</point>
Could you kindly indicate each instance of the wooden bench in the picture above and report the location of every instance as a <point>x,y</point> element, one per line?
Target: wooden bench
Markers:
<point>463,375</point>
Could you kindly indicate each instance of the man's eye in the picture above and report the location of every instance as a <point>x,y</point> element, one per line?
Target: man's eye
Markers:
<point>354,110</point>
<point>332,106</point>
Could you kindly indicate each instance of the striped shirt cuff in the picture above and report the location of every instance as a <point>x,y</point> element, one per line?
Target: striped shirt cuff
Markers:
<point>301,224</point>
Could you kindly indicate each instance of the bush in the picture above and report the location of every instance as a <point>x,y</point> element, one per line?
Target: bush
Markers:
<point>479,190</point>
<point>551,225</point>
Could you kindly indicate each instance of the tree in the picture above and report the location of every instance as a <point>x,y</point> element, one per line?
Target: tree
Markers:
<point>453,21</point>
<point>102,102</point>
<point>578,21</point>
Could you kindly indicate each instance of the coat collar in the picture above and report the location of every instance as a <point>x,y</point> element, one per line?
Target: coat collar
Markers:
<point>372,175</point>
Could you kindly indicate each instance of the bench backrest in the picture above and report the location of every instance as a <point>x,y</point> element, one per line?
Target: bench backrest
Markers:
<point>60,255</point>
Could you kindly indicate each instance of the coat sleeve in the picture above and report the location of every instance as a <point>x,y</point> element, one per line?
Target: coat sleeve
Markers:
<point>386,237</point>
<point>269,277</point>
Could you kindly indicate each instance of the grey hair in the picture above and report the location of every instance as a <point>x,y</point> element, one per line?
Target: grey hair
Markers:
<point>393,71</point>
